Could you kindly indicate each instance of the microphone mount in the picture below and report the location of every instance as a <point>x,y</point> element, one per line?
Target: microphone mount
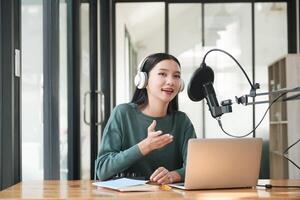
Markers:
<point>244,100</point>
<point>215,109</point>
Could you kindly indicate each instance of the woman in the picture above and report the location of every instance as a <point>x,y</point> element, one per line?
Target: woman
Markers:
<point>148,137</point>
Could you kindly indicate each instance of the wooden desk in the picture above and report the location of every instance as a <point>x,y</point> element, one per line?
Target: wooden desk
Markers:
<point>85,190</point>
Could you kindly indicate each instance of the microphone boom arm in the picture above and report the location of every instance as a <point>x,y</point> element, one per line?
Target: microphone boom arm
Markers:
<point>244,99</point>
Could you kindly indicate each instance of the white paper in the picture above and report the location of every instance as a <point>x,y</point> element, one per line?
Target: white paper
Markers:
<point>120,183</point>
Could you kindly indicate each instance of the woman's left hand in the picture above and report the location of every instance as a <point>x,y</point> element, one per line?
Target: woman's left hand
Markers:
<point>163,176</point>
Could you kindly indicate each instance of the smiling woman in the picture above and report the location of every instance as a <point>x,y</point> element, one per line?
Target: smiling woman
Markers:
<point>148,137</point>
<point>163,71</point>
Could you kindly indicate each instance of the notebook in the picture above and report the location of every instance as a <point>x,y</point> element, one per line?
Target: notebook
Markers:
<point>127,185</point>
<point>222,163</point>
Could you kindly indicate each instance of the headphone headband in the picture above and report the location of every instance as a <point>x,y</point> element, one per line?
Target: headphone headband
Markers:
<point>141,64</point>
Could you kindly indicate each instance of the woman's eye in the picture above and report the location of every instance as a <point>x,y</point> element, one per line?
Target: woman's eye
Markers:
<point>162,74</point>
<point>177,76</point>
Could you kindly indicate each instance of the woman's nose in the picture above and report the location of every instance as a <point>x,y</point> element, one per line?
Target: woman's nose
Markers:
<point>170,81</point>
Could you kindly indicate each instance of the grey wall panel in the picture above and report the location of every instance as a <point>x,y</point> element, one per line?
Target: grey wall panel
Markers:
<point>51,89</point>
<point>73,45</point>
<point>10,155</point>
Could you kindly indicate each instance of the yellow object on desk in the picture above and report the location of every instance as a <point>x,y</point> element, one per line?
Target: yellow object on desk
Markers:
<point>162,187</point>
<point>165,187</point>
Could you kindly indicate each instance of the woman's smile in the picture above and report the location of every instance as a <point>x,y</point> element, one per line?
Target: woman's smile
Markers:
<point>168,91</point>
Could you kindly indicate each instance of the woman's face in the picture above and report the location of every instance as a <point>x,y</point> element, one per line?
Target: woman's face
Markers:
<point>164,81</point>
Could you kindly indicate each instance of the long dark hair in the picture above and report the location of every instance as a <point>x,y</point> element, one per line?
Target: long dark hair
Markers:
<point>140,96</point>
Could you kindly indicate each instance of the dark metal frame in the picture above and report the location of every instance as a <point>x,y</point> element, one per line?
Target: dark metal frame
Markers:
<point>51,89</point>
<point>17,138</point>
<point>167,27</point>
<point>10,115</point>
<point>197,1</point>
<point>1,95</point>
<point>113,56</point>
<point>203,44</point>
<point>253,62</point>
<point>73,76</point>
<point>107,56</point>
<point>292,26</point>
<point>93,82</point>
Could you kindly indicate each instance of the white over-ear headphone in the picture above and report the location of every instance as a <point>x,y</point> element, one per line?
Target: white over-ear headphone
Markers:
<point>141,78</point>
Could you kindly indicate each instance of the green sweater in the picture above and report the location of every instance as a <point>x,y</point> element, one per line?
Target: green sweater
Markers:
<point>126,127</point>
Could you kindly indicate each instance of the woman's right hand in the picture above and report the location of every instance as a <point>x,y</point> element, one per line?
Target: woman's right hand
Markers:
<point>154,140</point>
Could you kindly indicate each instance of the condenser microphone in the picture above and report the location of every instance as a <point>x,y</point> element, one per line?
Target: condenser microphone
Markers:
<point>211,99</point>
<point>201,86</point>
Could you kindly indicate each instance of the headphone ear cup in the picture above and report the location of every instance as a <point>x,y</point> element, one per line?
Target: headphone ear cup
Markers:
<point>141,80</point>
<point>181,85</point>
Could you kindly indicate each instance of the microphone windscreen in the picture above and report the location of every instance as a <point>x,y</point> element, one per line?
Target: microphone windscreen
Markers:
<point>204,74</point>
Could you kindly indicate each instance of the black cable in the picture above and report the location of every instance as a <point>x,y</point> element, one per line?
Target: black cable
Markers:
<point>203,61</point>
<point>286,150</point>
<point>285,153</point>
<point>291,161</point>
<point>270,186</point>
<point>220,123</point>
<point>264,115</point>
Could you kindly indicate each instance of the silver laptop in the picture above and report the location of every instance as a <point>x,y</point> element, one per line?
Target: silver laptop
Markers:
<point>222,163</point>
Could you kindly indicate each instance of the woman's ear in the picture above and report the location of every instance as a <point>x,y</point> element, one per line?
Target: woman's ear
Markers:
<point>182,85</point>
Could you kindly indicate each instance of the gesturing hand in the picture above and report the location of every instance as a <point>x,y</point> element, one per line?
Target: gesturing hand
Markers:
<point>154,140</point>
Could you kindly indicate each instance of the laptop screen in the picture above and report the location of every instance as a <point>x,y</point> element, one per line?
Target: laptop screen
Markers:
<point>223,163</point>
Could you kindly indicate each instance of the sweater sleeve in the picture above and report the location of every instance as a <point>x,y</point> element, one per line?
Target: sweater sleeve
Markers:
<point>111,159</point>
<point>188,134</point>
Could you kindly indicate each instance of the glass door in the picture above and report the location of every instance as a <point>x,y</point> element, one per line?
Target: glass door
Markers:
<point>91,99</point>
